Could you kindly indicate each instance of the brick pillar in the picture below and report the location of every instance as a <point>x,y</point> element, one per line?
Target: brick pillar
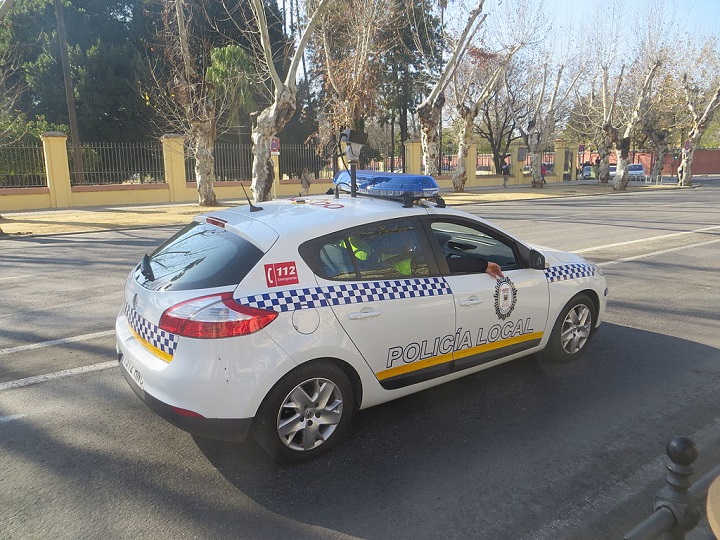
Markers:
<point>413,156</point>
<point>174,163</point>
<point>57,168</point>
<point>518,151</point>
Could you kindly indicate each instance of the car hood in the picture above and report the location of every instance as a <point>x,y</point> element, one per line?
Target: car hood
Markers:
<point>555,257</point>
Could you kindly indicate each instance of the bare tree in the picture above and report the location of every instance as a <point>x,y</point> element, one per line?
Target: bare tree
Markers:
<point>622,146</point>
<point>495,124</point>
<point>703,100</point>
<point>349,45</point>
<point>5,7</point>
<point>187,91</point>
<point>470,97</point>
<point>274,117</point>
<point>430,109</point>
<point>544,103</point>
<point>12,124</point>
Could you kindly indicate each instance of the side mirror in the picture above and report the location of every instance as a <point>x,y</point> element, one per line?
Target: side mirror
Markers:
<point>537,260</point>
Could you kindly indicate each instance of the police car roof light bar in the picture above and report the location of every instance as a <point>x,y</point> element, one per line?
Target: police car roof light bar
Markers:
<point>406,188</point>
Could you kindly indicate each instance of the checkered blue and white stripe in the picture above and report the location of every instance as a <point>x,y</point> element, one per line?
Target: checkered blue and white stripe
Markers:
<point>569,271</point>
<point>160,339</point>
<point>349,293</point>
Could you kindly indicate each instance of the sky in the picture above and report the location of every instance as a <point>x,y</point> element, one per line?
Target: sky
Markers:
<point>701,16</point>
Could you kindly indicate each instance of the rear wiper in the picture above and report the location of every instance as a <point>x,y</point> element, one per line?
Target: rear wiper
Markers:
<point>146,269</point>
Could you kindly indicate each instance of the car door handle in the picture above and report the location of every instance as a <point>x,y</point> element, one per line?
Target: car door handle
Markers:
<point>472,301</point>
<point>363,315</point>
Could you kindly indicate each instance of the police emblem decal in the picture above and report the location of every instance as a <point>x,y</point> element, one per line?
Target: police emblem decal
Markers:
<point>505,298</point>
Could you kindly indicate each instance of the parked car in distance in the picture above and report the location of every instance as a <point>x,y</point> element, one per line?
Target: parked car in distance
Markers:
<point>611,172</point>
<point>587,172</point>
<point>636,171</point>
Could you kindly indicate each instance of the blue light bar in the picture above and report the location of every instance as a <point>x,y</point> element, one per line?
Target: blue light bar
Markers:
<point>386,184</point>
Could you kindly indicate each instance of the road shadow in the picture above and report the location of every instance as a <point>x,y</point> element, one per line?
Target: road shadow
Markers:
<point>430,465</point>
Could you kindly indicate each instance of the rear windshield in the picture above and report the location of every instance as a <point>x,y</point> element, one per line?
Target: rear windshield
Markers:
<point>200,256</point>
<point>635,167</point>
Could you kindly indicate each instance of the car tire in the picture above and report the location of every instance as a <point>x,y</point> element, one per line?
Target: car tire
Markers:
<point>572,330</point>
<point>306,413</point>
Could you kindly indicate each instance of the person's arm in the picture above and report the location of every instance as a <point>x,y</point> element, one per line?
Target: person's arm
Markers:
<point>494,270</point>
<point>471,264</point>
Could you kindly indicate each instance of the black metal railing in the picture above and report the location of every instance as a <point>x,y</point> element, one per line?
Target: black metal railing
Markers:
<point>116,163</point>
<point>22,165</point>
<point>679,505</point>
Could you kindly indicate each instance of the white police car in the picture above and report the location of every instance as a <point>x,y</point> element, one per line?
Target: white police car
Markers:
<point>284,320</point>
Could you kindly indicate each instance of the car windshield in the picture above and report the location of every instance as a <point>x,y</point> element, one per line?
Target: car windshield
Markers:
<point>636,167</point>
<point>201,256</point>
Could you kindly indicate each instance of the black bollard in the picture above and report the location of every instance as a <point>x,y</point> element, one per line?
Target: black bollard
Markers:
<point>682,453</point>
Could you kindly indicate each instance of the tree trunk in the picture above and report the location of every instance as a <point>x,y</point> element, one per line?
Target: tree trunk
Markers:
<point>688,153</point>
<point>459,178</point>
<point>429,117</point>
<point>685,168</point>
<point>604,153</point>
<point>659,140</point>
<point>269,122</point>
<point>535,165</point>
<point>204,143</point>
<point>622,177</point>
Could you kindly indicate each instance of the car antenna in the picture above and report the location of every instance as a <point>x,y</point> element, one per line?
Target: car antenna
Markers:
<point>253,208</point>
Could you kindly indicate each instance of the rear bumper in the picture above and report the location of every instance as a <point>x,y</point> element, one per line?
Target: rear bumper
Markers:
<point>223,429</point>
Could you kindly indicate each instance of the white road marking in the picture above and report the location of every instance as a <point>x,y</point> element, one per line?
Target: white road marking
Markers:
<point>52,307</point>
<point>106,365</point>
<point>661,252</point>
<point>5,419</point>
<point>20,277</point>
<point>649,239</point>
<point>54,342</point>
<point>19,383</point>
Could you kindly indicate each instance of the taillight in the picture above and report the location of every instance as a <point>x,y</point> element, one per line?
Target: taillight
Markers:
<point>214,316</point>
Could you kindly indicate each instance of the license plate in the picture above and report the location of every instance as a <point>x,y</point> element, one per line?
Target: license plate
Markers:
<point>133,371</point>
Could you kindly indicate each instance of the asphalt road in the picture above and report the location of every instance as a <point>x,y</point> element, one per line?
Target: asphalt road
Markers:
<point>526,450</point>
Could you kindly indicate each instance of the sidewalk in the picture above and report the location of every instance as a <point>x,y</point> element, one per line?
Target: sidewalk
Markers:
<point>91,219</point>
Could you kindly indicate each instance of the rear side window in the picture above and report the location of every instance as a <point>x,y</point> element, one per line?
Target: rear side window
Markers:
<point>200,256</point>
<point>387,250</point>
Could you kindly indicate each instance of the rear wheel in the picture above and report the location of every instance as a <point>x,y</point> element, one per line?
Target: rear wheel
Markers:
<point>572,331</point>
<point>305,413</point>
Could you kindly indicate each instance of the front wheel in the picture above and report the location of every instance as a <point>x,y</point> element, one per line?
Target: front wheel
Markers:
<point>572,331</point>
<point>305,413</point>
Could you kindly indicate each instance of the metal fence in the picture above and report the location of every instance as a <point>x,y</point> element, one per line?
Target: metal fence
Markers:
<point>547,159</point>
<point>233,162</point>
<point>485,163</point>
<point>22,165</point>
<point>116,163</point>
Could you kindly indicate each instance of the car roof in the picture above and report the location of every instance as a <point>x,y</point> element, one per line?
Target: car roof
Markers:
<point>309,217</point>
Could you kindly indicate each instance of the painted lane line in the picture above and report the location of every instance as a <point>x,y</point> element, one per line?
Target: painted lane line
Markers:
<point>649,239</point>
<point>5,419</point>
<point>107,365</point>
<point>54,342</point>
<point>19,383</point>
<point>52,307</point>
<point>20,277</point>
<point>661,252</point>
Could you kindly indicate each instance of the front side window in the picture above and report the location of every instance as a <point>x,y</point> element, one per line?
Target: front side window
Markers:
<point>467,249</point>
<point>388,250</point>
